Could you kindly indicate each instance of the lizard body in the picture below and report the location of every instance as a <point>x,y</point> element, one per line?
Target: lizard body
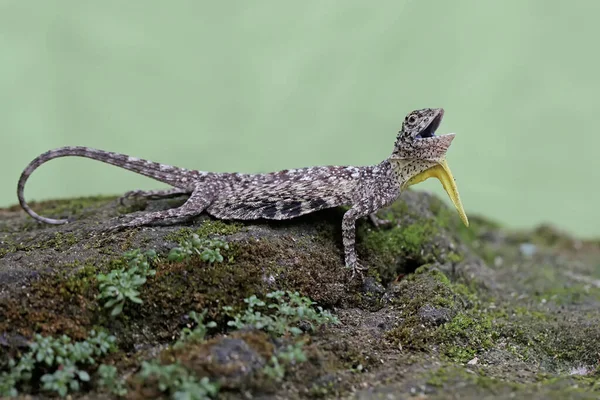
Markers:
<point>418,154</point>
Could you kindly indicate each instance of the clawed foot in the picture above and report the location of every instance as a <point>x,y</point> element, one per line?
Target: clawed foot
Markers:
<point>379,222</point>
<point>357,269</point>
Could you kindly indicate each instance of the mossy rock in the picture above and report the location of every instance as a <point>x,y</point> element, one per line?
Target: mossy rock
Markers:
<point>443,312</point>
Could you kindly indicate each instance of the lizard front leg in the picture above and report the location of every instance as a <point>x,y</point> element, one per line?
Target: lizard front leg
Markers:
<point>368,199</point>
<point>349,239</point>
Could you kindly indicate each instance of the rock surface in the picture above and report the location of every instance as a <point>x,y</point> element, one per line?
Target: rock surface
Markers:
<point>444,312</point>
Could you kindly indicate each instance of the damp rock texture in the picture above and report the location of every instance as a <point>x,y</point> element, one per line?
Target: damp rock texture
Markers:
<point>444,311</point>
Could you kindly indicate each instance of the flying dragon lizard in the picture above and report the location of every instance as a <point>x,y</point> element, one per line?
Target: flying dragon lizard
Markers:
<point>418,155</point>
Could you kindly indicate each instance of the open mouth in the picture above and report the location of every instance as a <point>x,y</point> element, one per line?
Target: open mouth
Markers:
<point>429,131</point>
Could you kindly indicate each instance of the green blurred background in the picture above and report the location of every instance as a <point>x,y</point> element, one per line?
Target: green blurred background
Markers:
<point>267,85</point>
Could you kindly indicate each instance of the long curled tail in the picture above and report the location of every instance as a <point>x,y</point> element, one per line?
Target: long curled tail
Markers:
<point>174,176</point>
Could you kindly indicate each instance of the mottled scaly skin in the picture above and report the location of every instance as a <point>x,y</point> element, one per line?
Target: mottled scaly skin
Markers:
<point>278,195</point>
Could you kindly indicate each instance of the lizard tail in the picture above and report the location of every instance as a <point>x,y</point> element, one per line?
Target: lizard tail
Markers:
<point>173,176</point>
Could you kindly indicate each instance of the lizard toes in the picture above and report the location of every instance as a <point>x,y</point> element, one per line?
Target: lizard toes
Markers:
<point>357,270</point>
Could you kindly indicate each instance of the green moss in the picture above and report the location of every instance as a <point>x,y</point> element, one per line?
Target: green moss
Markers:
<point>324,390</point>
<point>559,343</point>
<point>569,294</point>
<point>407,245</point>
<point>469,329</point>
<point>179,235</point>
<point>524,311</point>
<point>61,241</point>
<point>260,266</point>
<point>454,258</point>
<point>431,272</point>
<point>478,325</point>
<point>198,359</point>
<point>193,284</point>
<point>400,240</point>
<point>453,322</point>
<point>78,283</point>
<point>51,306</point>
<point>467,334</point>
<point>70,207</point>
<point>473,383</point>
<point>443,375</point>
<point>459,353</point>
<point>454,377</point>
<point>415,239</point>
<point>218,227</point>
<point>62,300</point>
<point>208,229</point>
<point>57,241</point>
<point>554,286</point>
<point>427,287</point>
<point>7,247</point>
<point>546,235</point>
<point>479,227</point>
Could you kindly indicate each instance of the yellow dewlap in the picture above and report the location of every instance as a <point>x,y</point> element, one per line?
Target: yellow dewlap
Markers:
<point>443,174</point>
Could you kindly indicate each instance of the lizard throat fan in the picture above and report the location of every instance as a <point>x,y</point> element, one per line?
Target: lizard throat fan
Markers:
<point>444,175</point>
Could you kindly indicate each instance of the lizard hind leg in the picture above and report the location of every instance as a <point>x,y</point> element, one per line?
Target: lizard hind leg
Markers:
<point>134,195</point>
<point>195,205</point>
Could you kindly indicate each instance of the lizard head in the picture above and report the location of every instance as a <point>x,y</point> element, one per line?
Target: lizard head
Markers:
<point>419,154</point>
<point>417,139</point>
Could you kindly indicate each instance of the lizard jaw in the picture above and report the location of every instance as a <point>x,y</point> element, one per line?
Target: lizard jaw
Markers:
<point>429,130</point>
<point>442,172</point>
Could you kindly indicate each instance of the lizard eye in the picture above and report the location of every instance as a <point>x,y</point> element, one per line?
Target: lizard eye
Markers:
<point>412,119</point>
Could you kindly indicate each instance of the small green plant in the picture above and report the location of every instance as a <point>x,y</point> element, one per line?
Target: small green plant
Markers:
<point>299,308</point>
<point>108,379</point>
<point>177,381</point>
<point>274,369</point>
<point>120,285</point>
<point>279,315</point>
<point>209,250</point>
<point>198,333</point>
<point>289,310</point>
<point>291,355</point>
<point>64,380</point>
<point>58,362</point>
<point>17,373</point>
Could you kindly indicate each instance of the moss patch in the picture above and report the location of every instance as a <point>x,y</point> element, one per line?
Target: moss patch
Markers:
<point>209,228</point>
<point>470,301</point>
<point>474,383</point>
<point>440,316</point>
<point>67,208</point>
